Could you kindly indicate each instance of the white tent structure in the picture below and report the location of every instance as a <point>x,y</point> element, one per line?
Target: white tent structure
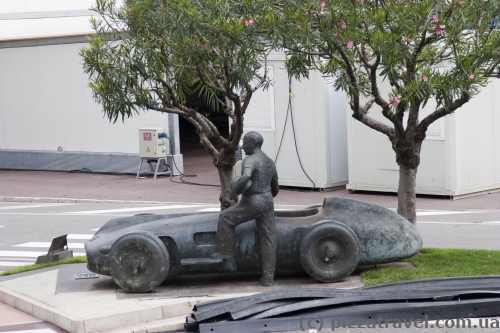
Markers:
<point>48,117</point>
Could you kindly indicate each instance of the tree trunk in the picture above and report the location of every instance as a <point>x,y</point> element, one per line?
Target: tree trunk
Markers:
<point>225,176</point>
<point>406,193</point>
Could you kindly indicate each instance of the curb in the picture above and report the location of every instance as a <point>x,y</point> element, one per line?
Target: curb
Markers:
<point>158,318</point>
<point>75,200</point>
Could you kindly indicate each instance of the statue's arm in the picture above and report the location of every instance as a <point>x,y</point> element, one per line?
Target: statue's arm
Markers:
<point>275,187</point>
<point>246,174</point>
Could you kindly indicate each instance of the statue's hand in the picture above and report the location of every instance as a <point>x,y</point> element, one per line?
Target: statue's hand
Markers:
<point>233,196</point>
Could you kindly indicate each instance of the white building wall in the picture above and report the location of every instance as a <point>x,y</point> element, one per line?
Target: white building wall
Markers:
<point>45,103</point>
<point>42,18</point>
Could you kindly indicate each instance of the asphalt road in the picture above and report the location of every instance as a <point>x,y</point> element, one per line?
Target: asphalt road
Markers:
<point>26,229</point>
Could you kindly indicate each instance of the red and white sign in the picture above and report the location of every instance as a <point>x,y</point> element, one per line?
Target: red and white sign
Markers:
<point>147,136</point>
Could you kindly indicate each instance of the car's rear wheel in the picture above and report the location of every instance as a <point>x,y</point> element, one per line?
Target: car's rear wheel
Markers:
<point>138,261</point>
<point>329,251</point>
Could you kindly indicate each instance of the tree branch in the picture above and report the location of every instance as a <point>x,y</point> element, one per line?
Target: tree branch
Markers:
<point>443,111</point>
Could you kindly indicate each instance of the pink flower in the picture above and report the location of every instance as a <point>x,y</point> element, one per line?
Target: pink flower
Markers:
<point>471,76</point>
<point>242,19</point>
<point>425,79</point>
<point>433,27</point>
<point>394,101</point>
<point>439,32</point>
<point>435,18</point>
<point>462,4</point>
<point>323,5</point>
<point>249,22</point>
<point>343,25</point>
<point>442,26</point>
<point>362,1</point>
<point>198,44</point>
<point>129,10</point>
<point>410,40</point>
<point>350,44</point>
<point>337,34</point>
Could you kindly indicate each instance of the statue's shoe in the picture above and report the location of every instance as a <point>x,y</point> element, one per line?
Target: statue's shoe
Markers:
<point>266,282</point>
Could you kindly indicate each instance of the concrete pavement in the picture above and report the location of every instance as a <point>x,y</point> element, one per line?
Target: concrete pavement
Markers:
<point>82,187</point>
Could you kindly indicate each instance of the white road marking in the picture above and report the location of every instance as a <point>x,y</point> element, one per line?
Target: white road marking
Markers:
<point>1,226</point>
<point>25,254</point>
<point>47,245</point>
<point>443,212</point>
<point>95,229</point>
<point>217,209</point>
<point>40,330</point>
<point>211,209</point>
<point>137,209</point>
<point>64,214</point>
<point>79,236</point>
<point>13,264</point>
<point>452,222</point>
<point>36,206</point>
<point>28,254</point>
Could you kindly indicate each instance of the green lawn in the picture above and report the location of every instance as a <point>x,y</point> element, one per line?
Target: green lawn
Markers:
<point>436,263</point>
<point>21,269</point>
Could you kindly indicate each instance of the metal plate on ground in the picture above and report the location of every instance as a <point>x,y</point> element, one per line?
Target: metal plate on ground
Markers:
<point>79,276</point>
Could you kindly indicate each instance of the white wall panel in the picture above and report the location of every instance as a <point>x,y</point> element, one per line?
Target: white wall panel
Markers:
<point>372,161</point>
<point>46,103</point>
<point>338,133</point>
<point>478,139</point>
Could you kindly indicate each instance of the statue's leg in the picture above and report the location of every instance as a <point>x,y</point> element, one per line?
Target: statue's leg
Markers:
<point>229,219</point>
<point>267,236</point>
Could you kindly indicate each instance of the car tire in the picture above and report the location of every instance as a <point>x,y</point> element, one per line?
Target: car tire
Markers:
<point>329,251</point>
<point>138,261</point>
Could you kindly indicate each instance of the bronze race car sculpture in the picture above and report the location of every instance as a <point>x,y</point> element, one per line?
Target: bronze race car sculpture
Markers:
<point>326,241</point>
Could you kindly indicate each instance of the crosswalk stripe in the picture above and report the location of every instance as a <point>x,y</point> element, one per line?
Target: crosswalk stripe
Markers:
<point>452,222</point>
<point>136,209</point>
<point>211,209</point>
<point>36,206</point>
<point>28,254</point>
<point>47,245</point>
<point>80,236</point>
<point>442,212</point>
<point>39,330</point>
<point>13,264</point>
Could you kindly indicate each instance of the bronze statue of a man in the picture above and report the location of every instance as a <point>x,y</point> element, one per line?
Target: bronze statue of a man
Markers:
<point>259,181</point>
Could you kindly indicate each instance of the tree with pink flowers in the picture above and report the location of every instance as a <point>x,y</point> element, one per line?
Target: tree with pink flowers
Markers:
<point>383,54</point>
<point>148,56</point>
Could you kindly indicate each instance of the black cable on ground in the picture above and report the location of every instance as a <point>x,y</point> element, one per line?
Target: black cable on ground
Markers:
<point>85,170</point>
<point>182,174</point>
<point>290,110</point>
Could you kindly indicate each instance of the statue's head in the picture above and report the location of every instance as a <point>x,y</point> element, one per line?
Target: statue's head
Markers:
<point>252,141</point>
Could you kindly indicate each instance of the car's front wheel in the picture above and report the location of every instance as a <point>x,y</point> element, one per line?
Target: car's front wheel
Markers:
<point>138,261</point>
<point>329,251</point>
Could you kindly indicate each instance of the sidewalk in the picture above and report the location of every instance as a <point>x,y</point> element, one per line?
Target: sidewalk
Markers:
<point>66,186</point>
